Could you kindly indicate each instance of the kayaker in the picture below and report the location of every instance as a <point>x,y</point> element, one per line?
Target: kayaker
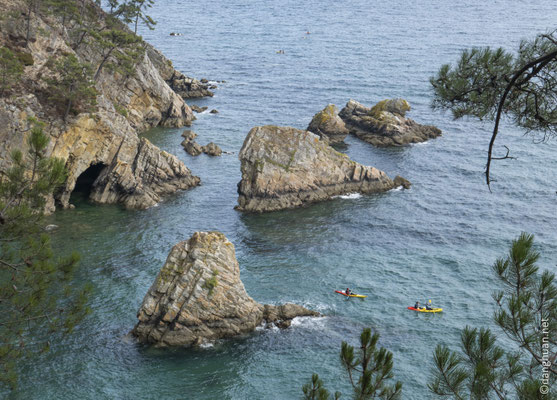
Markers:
<point>348,292</point>
<point>417,305</point>
<point>428,307</point>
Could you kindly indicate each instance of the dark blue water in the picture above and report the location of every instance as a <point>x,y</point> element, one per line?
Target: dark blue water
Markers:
<point>436,241</point>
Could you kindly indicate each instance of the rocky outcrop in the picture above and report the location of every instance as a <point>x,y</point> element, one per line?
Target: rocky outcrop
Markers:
<point>129,170</point>
<point>198,297</point>
<point>385,124</point>
<point>327,123</point>
<point>194,149</point>
<point>284,167</point>
<point>400,181</point>
<point>212,149</point>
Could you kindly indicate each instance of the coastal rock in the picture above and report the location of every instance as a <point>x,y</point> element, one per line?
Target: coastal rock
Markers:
<point>400,181</point>
<point>283,167</point>
<point>198,109</point>
<point>327,123</point>
<point>214,111</point>
<point>212,149</point>
<point>101,147</point>
<point>188,135</point>
<point>385,124</point>
<point>198,297</point>
<point>192,147</point>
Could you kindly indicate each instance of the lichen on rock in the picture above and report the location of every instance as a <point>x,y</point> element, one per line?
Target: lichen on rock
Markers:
<point>198,297</point>
<point>385,123</point>
<point>283,167</point>
<point>326,123</point>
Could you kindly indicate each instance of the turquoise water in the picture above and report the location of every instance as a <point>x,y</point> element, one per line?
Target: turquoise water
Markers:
<point>436,241</point>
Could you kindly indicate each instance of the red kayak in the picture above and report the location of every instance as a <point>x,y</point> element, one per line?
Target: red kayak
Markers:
<point>350,295</point>
<point>424,309</point>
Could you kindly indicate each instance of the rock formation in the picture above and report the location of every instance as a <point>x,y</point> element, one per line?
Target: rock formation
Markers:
<point>212,149</point>
<point>284,167</point>
<point>194,149</point>
<point>385,124</point>
<point>327,123</point>
<point>198,297</point>
<point>129,170</point>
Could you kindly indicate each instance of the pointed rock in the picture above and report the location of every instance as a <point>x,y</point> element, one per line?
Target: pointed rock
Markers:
<point>327,123</point>
<point>198,297</point>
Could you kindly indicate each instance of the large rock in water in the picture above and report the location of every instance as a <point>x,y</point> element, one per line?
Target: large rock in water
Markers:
<point>284,167</point>
<point>385,124</point>
<point>327,123</point>
<point>198,297</point>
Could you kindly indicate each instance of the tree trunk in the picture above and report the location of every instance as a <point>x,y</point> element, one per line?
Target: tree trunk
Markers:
<point>102,64</point>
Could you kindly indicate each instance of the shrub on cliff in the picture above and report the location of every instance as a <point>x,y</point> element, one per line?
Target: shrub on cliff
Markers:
<point>36,297</point>
<point>10,70</point>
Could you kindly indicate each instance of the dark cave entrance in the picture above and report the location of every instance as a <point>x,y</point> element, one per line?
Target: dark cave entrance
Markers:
<point>84,183</point>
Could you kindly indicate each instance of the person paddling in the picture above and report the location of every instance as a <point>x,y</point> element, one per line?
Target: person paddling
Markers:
<point>417,305</point>
<point>348,292</point>
<point>428,306</point>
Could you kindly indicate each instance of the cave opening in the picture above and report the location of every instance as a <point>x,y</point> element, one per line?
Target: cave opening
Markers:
<point>84,183</point>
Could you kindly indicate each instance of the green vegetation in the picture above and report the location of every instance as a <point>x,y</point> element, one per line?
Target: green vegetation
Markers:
<point>211,283</point>
<point>488,84</point>
<point>369,373</point>
<point>36,297</point>
<point>527,315</point>
<point>120,110</point>
<point>72,86</point>
<point>11,69</point>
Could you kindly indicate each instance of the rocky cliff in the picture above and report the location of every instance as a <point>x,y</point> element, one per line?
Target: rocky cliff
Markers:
<point>128,170</point>
<point>284,167</point>
<point>198,297</point>
<point>385,123</point>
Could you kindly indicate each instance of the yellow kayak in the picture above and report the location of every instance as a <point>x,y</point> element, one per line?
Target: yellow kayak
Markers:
<point>423,309</point>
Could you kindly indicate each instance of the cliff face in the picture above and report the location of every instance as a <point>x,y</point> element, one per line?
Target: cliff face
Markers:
<point>129,170</point>
<point>198,297</point>
<point>385,123</point>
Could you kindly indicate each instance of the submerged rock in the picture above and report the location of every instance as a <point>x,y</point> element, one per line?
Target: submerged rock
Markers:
<point>284,167</point>
<point>198,297</point>
<point>327,123</point>
<point>385,124</point>
<point>400,181</point>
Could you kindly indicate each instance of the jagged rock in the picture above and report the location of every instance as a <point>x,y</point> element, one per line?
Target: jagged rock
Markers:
<point>198,109</point>
<point>385,124</point>
<point>284,167</point>
<point>212,149</point>
<point>188,135</point>
<point>204,80</point>
<point>214,111</point>
<point>400,181</point>
<point>327,123</point>
<point>131,170</point>
<point>192,147</point>
<point>198,297</point>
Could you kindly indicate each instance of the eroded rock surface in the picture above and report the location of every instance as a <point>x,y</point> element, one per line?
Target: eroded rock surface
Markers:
<point>132,171</point>
<point>283,167</point>
<point>385,123</point>
<point>327,123</point>
<point>198,297</point>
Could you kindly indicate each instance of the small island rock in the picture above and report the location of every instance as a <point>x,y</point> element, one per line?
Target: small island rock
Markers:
<point>385,124</point>
<point>212,149</point>
<point>198,297</point>
<point>327,123</point>
<point>283,167</point>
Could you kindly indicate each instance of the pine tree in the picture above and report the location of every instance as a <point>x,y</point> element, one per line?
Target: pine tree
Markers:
<point>489,83</point>
<point>369,373</point>
<point>10,70</point>
<point>527,314</point>
<point>36,298</point>
<point>72,85</point>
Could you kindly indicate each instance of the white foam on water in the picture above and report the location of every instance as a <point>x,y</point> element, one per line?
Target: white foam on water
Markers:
<point>309,322</point>
<point>397,189</point>
<point>349,196</point>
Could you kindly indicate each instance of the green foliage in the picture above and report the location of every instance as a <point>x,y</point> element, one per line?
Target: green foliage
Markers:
<point>369,373</point>
<point>120,110</point>
<point>10,69</point>
<point>72,86</point>
<point>488,83</point>
<point>132,12</point>
<point>527,314</point>
<point>25,58</point>
<point>36,297</point>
